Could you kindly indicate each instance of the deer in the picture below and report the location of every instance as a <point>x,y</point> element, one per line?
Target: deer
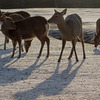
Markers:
<point>5,31</point>
<point>23,14</point>
<point>97,35</point>
<point>71,29</point>
<point>26,29</point>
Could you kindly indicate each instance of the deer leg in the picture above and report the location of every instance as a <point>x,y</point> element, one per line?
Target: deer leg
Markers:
<point>42,45</point>
<point>73,44</point>
<point>81,39</point>
<point>48,44</point>
<point>7,39</point>
<point>14,48</point>
<point>71,53</point>
<point>5,43</point>
<point>63,46</point>
<point>70,56</point>
<point>20,47</point>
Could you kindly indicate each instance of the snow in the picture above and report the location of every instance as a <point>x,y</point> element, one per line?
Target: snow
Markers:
<point>29,78</point>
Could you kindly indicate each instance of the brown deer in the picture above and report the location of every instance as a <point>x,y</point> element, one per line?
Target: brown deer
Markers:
<point>71,29</point>
<point>15,16</point>
<point>27,29</point>
<point>5,31</point>
<point>97,35</point>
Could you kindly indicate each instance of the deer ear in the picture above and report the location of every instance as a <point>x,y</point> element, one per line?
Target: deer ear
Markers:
<point>4,17</point>
<point>55,11</point>
<point>64,12</point>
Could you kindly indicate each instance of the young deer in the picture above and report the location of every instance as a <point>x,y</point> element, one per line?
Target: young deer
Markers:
<point>15,16</point>
<point>27,29</point>
<point>71,29</point>
<point>5,31</point>
<point>97,35</point>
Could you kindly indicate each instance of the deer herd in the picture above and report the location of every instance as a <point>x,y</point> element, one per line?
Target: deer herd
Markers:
<point>19,26</point>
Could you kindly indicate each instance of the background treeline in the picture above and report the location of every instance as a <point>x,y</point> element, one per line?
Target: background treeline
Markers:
<point>48,3</point>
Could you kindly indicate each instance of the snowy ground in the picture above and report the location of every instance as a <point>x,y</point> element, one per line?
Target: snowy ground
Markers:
<point>29,78</point>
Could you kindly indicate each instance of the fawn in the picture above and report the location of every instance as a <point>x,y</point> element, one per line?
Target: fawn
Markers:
<point>15,16</point>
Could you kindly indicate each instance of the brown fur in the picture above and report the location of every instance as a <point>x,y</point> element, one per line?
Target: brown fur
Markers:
<point>27,29</point>
<point>22,13</point>
<point>71,29</point>
<point>5,31</point>
<point>15,16</point>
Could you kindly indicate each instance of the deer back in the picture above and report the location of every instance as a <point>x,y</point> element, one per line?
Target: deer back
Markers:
<point>22,13</point>
<point>16,17</point>
<point>74,23</point>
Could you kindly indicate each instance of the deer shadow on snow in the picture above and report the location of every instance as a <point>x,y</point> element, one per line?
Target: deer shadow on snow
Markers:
<point>7,59</point>
<point>54,85</point>
<point>96,51</point>
<point>11,75</point>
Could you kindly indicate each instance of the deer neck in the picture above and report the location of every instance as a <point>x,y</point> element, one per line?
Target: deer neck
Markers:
<point>63,27</point>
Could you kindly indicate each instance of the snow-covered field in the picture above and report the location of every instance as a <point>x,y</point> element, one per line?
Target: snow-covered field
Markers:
<point>29,78</point>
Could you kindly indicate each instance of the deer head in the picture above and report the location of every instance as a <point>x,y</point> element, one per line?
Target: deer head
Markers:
<point>57,17</point>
